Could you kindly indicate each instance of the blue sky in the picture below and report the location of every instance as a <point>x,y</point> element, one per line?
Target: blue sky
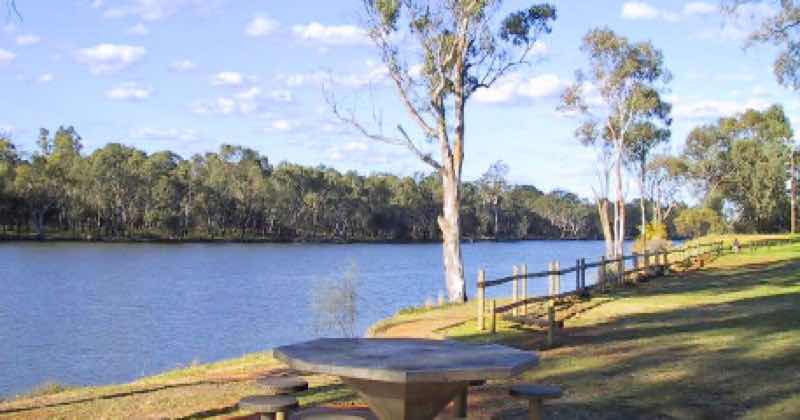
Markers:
<point>189,75</point>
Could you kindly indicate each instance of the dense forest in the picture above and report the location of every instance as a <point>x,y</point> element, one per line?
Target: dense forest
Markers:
<point>736,167</point>
<point>119,192</point>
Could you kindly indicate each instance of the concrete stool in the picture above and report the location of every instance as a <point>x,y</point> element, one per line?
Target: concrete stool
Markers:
<point>460,401</point>
<point>328,413</point>
<point>535,394</point>
<point>282,385</point>
<point>279,405</point>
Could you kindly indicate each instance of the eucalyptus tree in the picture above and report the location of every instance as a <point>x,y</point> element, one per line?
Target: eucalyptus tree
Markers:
<point>782,30</point>
<point>463,47</point>
<point>493,184</point>
<point>741,161</point>
<point>628,79</point>
<point>668,175</point>
<point>642,138</point>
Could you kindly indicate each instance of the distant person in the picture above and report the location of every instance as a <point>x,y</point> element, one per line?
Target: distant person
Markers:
<point>735,245</point>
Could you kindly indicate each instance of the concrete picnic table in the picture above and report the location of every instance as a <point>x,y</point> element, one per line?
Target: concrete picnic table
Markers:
<point>412,379</point>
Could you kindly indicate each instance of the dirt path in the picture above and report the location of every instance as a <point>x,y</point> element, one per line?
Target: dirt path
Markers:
<point>427,328</point>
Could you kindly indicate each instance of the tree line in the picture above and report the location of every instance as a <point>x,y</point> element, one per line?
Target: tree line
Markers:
<point>120,192</point>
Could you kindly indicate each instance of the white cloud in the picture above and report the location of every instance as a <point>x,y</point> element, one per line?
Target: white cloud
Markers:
<point>540,48</point>
<point>152,10</point>
<point>96,4</point>
<point>45,78</point>
<point>711,108</point>
<point>138,29</point>
<point>228,78</point>
<point>700,8</point>
<point>146,133</point>
<point>283,125</point>
<point>331,35</point>
<point>375,73</point>
<point>261,26</point>
<point>248,102</point>
<point>515,87</point>
<point>110,58</point>
<point>355,146</point>
<point>182,65</point>
<point>129,91</point>
<point>636,10</point>
<point>6,56</point>
<point>25,40</point>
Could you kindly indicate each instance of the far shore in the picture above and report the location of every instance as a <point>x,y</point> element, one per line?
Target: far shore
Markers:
<point>196,240</point>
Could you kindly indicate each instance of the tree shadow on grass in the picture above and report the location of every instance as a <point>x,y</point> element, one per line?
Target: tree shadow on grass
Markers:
<point>721,360</point>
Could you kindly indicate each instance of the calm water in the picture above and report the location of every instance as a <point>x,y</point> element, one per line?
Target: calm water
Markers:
<point>107,313</point>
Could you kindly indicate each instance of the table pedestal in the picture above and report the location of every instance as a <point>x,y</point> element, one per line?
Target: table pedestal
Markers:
<point>406,401</point>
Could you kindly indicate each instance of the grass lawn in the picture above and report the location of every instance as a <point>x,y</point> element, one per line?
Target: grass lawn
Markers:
<point>723,342</point>
<point>719,343</point>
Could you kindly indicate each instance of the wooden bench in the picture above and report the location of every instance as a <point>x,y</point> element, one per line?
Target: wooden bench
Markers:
<point>535,394</point>
<point>279,405</point>
<point>282,385</point>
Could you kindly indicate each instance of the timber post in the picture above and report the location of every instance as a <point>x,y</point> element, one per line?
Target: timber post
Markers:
<point>551,321</point>
<point>493,316</point>
<point>557,266</point>
<point>578,275</point>
<point>601,273</point>
<point>525,288</point>
<point>621,269</point>
<point>481,299</point>
<point>515,286</point>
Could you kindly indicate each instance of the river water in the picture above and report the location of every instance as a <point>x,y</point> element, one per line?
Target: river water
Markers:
<point>95,313</point>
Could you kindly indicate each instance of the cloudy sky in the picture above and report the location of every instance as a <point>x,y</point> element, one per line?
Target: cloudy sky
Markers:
<point>189,75</point>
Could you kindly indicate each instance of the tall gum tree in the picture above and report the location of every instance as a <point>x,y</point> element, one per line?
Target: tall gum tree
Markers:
<point>627,79</point>
<point>781,29</point>
<point>461,46</point>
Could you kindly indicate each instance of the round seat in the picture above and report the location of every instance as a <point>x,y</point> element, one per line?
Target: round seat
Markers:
<point>535,394</point>
<point>536,391</point>
<point>279,405</point>
<point>280,385</point>
<point>327,413</point>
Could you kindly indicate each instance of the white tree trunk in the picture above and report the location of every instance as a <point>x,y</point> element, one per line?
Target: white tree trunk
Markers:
<point>602,209</point>
<point>450,224</point>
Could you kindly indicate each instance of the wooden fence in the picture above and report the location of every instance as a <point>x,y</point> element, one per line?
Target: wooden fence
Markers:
<point>610,272</point>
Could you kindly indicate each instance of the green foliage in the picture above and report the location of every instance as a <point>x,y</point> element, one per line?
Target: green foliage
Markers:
<point>120,192</point>
<point>699,221</point>
<point>741,161</point>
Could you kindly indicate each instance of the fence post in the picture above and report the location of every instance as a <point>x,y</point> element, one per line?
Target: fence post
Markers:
<point>646,260</point>
<point>525,288</point>
<point>515,285</point>
<point>493,315</point>
<point>601,274</point>
<point>578,275</point>
<point>583,275</point>
<point>621,269</point>
<point>551,321</point>
<point>481,299</point>
<point>558,277</point>
<point>550,281</point>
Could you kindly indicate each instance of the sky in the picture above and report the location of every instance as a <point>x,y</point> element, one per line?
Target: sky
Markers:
<point>190,75</point>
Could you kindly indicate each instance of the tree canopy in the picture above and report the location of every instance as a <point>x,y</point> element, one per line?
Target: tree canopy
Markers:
<point>740,162</point>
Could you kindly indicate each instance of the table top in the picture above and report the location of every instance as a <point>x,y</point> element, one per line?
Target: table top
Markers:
<point>406,360</point>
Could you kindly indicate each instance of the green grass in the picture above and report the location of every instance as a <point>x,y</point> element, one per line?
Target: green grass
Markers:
<point>719,343</point>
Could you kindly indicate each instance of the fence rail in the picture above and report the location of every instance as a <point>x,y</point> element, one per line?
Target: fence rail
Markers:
<point>611,271</point>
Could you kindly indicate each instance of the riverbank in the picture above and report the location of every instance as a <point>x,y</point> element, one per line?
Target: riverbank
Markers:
<point>156,239</point>
<point>718,343</point>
